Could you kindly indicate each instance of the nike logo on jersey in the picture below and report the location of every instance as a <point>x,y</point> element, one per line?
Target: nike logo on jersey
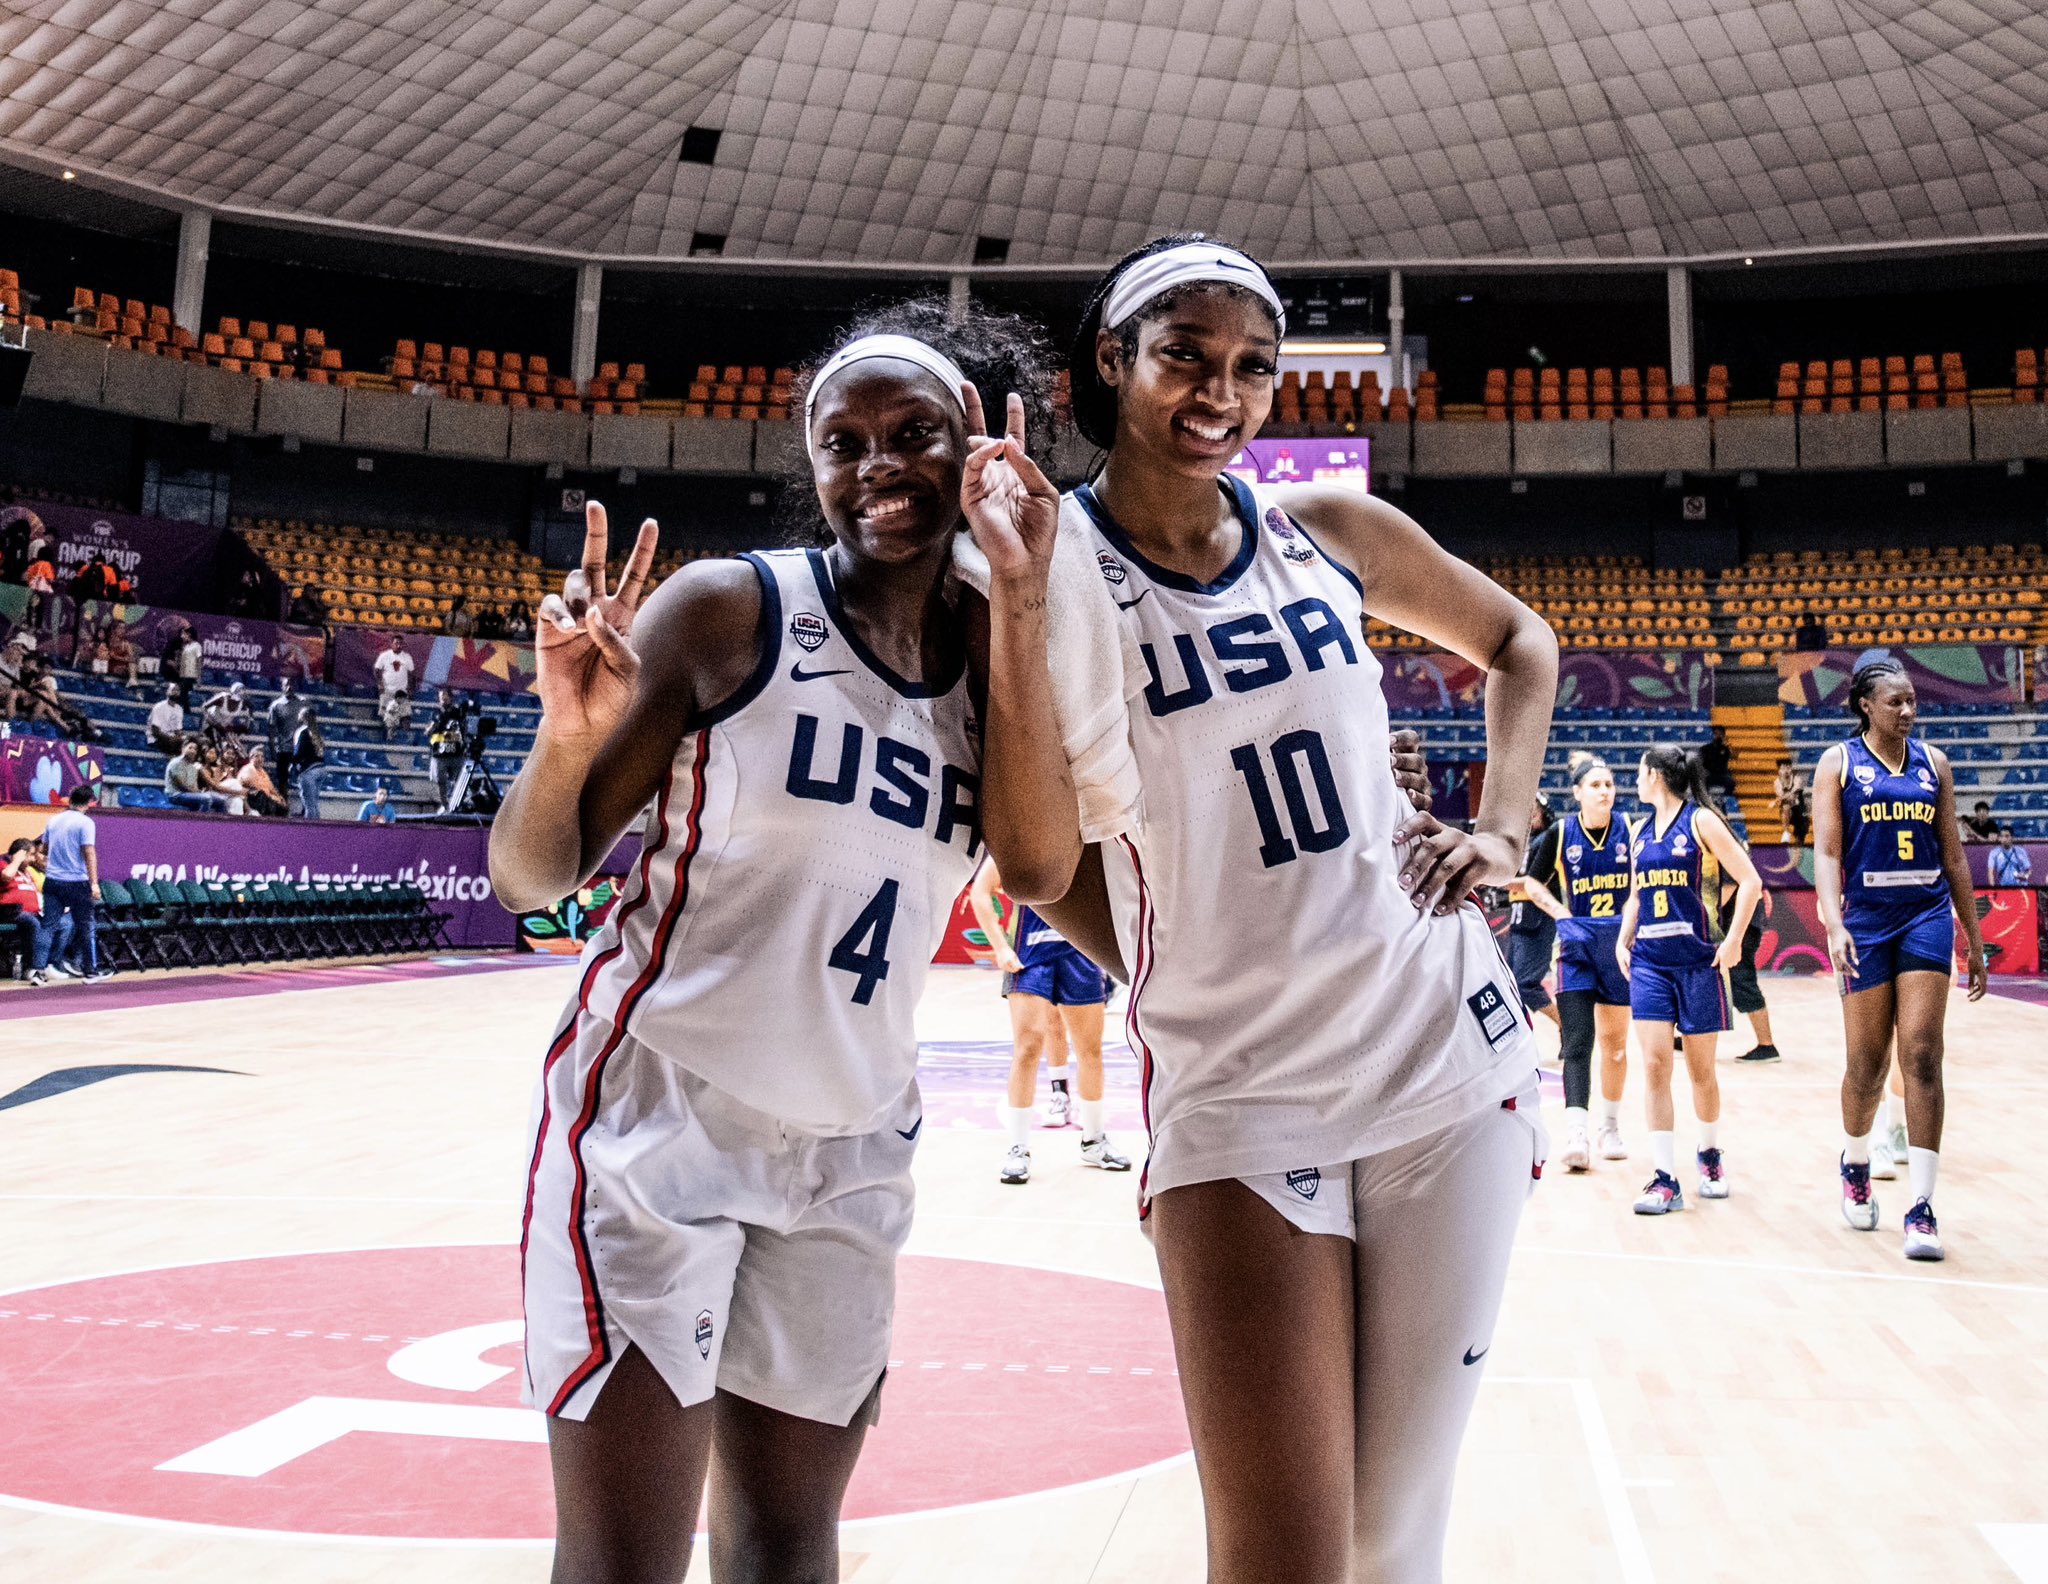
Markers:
<point>797,673</point>
<point>1127,604</point>
<point>916,1128</point>
<point>1473,1358</point>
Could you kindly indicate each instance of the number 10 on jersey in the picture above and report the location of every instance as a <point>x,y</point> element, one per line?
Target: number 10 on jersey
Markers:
<point>1295,755</point>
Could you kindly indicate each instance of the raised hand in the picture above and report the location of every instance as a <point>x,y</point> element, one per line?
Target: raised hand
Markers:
<point>583,638</point>
<point>1011,508</point>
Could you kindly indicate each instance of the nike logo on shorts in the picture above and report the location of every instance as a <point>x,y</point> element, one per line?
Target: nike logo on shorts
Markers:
<point>916,1128</point>
<point>797,673</point>
<point>1473,1358</point>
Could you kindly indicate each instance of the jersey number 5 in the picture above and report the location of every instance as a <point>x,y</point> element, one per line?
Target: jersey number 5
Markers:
<point>1290,753</point>
<point>863,950</point>
<point>1905,846</point>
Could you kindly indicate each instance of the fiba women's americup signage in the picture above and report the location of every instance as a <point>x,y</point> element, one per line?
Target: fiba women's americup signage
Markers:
<point>1298,460</point>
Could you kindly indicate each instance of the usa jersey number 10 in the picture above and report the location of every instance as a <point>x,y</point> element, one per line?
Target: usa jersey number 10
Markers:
<point>1300,762</point>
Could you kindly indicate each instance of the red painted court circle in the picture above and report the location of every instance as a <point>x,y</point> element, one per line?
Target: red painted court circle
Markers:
<point>376,1393</point>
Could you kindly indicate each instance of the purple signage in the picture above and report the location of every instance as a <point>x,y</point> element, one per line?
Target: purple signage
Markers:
<point>448,862</point>
<point>1416,680</point>
<point>1940,673</point>
<point>469,665</point>
<point>1299,460</point>
<point>170,562</point>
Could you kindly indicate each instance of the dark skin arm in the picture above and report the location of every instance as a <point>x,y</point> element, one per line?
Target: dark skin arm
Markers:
<point>619,685</point>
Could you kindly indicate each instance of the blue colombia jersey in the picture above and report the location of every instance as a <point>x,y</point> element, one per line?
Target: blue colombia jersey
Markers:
<point>1679,886</point>
<point>1891,846</point>
<point>1037,941</point>
<point>1593,873</point>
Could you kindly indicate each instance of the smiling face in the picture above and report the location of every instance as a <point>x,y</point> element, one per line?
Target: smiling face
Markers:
<point>887,450</point>
<point>1200,384</point>
<point>1595,792</point>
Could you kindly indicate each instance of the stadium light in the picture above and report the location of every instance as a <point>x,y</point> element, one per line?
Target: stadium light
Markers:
<point>1332,348</point>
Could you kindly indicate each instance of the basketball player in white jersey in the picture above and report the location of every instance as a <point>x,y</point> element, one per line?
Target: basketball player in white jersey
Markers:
<point>1339,1080</point>
<point>720,1169</point>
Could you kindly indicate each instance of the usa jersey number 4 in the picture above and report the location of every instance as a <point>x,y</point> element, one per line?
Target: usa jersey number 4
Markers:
<point>863,950</point>
<point>1300,762</point>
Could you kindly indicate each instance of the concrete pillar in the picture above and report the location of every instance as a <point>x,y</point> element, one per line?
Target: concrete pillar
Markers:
<point>1678,297</point>
<point>583,339</point>
<point>1397,333</point>
<point>959,294</point>
<point>188,297</point>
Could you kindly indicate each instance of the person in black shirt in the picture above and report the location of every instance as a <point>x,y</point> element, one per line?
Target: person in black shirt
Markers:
<point>1811,633</point>
<point>447,741</point>
<point>1532,933</point>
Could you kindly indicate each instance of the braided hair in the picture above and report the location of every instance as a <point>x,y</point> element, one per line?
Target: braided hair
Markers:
<point>1094,401</point>
<point>1864,684</point>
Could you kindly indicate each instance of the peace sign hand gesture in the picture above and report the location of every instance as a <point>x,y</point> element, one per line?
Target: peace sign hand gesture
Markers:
<point>586,661</point>
<point>1012,509</point>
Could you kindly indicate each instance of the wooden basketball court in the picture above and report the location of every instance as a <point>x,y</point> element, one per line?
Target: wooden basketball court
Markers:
<point>260,1322</point>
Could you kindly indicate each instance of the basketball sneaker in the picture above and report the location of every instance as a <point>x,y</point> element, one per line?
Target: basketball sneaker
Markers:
<point>1017,1165</point>
<point>1760,1053</point>
<point>1660,1196</point>
<point>1575,1156</point>
<point>1859,1204</point>
<point>69,970</point>
<point>1899,1145</point>
<point>1097,1152</point>
<point>38,976</point>
<point>1883,1166</point>
<point>99,974</point>
<point>1923,1237</point>
<point>1713,1184</point>
<point>1059,1110</point>
<point>1611,1146</point>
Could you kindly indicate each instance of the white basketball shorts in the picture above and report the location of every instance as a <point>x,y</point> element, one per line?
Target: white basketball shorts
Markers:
<point>737,1253</point>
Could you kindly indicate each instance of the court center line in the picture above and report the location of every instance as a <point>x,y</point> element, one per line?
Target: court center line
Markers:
<point>1630,1551</point>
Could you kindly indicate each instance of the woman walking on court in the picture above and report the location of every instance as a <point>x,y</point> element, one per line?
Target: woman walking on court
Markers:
<point>1675,956</point>
<point>1338,1077</point>
<point>1585,857</point>
<point>1891,881</point>
<point>720,1173</point>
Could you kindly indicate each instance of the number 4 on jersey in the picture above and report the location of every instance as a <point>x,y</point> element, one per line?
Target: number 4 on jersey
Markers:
<point>863,950</point>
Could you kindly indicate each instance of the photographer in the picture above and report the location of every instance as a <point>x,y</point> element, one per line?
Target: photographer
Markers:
<point>448,742</point>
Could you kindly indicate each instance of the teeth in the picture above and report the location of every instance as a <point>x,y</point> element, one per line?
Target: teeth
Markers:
<point>1205,431</point>
<point>887,508</point>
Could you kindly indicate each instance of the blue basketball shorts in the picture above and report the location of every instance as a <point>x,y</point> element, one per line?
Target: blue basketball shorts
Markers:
<point>1886,949</point>
<point>1693,999</point>
<point>1529,953</point>
<point>1066,978</point>
<point>1586,961</point>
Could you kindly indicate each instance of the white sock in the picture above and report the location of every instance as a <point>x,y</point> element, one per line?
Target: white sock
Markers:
<point>1610,1112</point>
<point>1883,1124</point>
<point>1575,1119</point>
<point>1091,1119</point>
<point>1016,1123</point>
<point>1856,1151</point>
<point>1664,1152</point>
<point>1921,1168</point>
<point>1709,1134</point>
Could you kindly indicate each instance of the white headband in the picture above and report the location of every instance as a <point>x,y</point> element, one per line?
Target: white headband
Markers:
<point>907,348</point>
<point>1185,265</point>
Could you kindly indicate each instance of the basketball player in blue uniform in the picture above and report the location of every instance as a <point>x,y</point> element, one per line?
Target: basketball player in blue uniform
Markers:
<point>1580,877</point>
<point>1676,958</point>
<point>719,1181</point>
<point>1057,998</point>
<point>1338,1076</point>
<point>1891,881</point>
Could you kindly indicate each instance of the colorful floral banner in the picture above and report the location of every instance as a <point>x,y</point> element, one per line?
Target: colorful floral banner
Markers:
<point>37,770</point>
<point>1588,679</point>
<point>469,665</point>
<point>1941,674</point>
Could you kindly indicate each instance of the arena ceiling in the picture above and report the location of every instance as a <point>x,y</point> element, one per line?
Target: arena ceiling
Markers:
<point>900,131</point>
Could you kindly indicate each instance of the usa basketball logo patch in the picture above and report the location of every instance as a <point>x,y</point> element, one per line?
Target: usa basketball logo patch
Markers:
<point>808,629</point>
<point>1306,1181</point>
<point>1112,569</point>
<point>704,1333</point>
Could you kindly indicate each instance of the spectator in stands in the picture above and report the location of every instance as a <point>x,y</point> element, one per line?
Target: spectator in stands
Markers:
<point>1811,633</point>
<point>121,657</point>
<point>185,784</point>
<point>460,620</point>
<point>1718,760</point>
<point>2009,864</point>
<point>21,901</point>
<point>395,710</point>
<point>41,576</point>
<point>248,598</point>
<point>165,728</point>
<point>13,683</point>
<point>308,753</point>
<point>489,624</point>
<point>17,526</point>
<point>393,668</point>
<point>72,888</point>
<point>94,580</point>
<point>283,720</point>
<point>262,793</point>
<point>37,696</point>
<point>1978,825</point>
<point>519,621</point>
<point>217,775</point>
<point>191,662</point>
<point>225,716</point>
<point>124,592</point>
<point>307,608</point>
<point>448,741</point>
<point>1793,799</point>
<point>377,809</point>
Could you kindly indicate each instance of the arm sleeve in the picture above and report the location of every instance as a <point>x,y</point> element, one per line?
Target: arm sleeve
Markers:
<point>1543,864</point>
